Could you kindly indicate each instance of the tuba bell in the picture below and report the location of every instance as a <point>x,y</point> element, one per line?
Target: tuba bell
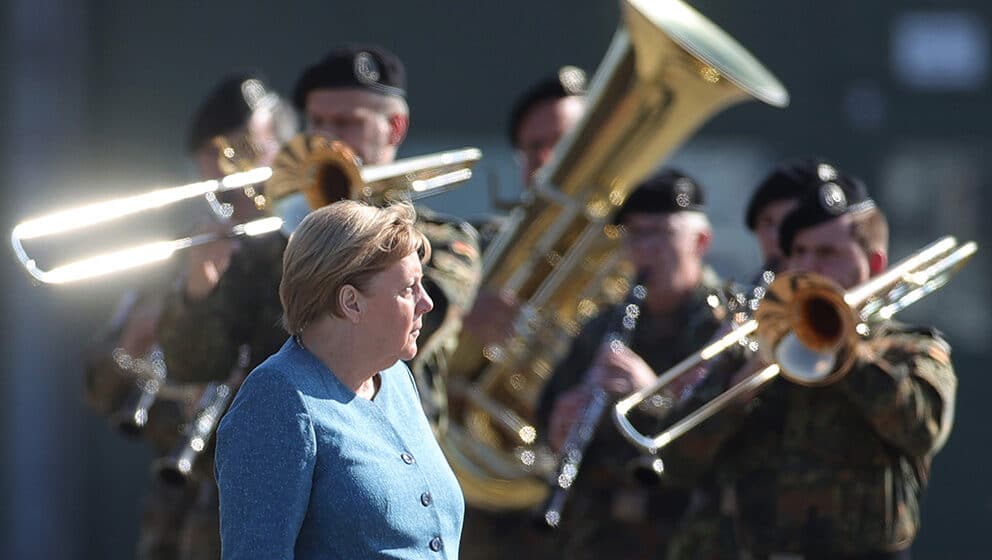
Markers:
<point>667,70</point>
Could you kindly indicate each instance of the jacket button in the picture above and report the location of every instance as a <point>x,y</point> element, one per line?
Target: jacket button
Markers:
<point>407,458</point>
<point>426,498</point>
<point>436,544</point>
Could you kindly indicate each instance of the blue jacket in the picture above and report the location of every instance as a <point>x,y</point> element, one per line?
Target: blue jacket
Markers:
<point>306,469</point>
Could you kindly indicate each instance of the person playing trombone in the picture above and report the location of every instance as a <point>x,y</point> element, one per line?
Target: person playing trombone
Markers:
<point>835,471</point>
<point>355,94</point>
<point>180,521</point>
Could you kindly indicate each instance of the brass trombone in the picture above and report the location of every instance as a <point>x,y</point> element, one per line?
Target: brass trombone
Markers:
<point>324,170</point>
<point>808,328</point>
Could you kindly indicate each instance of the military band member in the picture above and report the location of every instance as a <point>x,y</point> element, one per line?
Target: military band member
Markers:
<point>355,94</point>
<point>837,471</point>
<point>609,513</point>
<point>180,521</point>
<point>706,532</point>
<point>776,196</point>
<point>541,115</point>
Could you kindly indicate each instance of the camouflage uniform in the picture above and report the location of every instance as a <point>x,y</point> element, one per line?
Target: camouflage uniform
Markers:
<point>609,514</point>
<point>836,471</point>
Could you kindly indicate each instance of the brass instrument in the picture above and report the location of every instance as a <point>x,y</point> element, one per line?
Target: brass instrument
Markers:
<point>584,429</point>
<point>326,171</point>
<point>667,70</point>
<point>808,329</point>
<point>176,467</point>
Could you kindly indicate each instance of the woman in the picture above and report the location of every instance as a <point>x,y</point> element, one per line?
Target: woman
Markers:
<point>326,452</point>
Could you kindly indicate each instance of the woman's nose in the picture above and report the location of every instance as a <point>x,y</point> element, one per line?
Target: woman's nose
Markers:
<point>426,303</point>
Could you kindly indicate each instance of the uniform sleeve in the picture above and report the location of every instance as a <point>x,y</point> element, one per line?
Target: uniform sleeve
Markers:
<point>904,385</point>
<point>691,456</point>
<point>265,457</point>
<point>571,371</point>
<point>200,338</point>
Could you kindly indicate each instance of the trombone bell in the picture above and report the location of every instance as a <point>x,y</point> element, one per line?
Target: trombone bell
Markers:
<point>807,327</point>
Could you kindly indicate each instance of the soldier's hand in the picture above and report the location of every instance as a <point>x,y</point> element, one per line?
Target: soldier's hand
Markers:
<point>619,370</point>
<point>491,319</point>
<point>205,264</point>
<point>564,413</point>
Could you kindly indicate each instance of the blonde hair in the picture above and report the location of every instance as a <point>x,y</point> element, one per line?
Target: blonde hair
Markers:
<point>345,243</point>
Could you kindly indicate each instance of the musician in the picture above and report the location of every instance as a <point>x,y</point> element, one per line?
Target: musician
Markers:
<point>776,196</point>
<point>705,531</point>
<point>838,471</point>
<point>326,451</point>
<point>609,514</point>
<point>356,94</point>
<point>181,521</point>
<point>541,115</point>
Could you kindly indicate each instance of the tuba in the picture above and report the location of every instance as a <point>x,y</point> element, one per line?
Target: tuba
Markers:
<point>667,70</point>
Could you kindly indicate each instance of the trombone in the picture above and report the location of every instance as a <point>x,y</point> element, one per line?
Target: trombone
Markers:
<point>808,329</point>
<point>324,170</point>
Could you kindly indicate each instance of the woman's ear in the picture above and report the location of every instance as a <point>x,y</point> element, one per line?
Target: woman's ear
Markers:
<point>351,303</point>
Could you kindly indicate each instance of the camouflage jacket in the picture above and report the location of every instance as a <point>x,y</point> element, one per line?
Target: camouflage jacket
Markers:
<point>836,470</point>
<point>609,513</point>
<point>201,339</point>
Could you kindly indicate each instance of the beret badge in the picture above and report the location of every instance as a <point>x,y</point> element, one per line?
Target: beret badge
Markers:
<point>366,68</point>
<point>826,172</point>
<point>832,199</point>
<point>683,192</point>
<point>573,80</point>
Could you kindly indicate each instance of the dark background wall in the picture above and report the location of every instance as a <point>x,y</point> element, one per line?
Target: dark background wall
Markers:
<point>96,93</point>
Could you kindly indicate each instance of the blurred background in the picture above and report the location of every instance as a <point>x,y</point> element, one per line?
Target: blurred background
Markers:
<point>96,96</point>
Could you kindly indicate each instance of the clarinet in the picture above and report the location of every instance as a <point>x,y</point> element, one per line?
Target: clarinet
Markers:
<point>177,467</point>
<point>584,428</point>
<point>150,375</point>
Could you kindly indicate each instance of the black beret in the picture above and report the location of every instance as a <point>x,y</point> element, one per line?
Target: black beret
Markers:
<point>369,67</point>
<point>665,192</point>
<point>790,180</point>
<point>566,82</point>
<point>227,107</point>
<point>836,195</point>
